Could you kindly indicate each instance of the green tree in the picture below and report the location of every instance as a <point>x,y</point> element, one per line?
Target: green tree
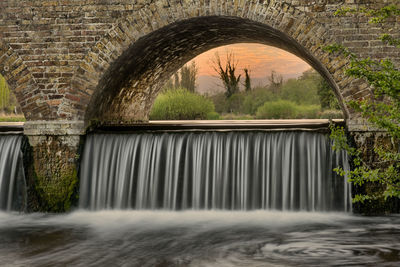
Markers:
<point>189,76</point>
<point>184,78</point>
<point>247,81</point>
<point>383,110</point>
<point>256,98</point>
<point>326,96</point>
<point>275,82</point>
<point>303,90</point>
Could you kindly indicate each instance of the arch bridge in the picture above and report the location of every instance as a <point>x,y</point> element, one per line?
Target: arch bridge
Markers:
<point>74,62</point>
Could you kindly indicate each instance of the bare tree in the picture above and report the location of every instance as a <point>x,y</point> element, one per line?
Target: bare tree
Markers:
<point>276,82</point>
<point>227,73</point>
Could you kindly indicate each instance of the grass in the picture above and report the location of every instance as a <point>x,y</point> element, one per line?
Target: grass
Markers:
<point>12,118</point>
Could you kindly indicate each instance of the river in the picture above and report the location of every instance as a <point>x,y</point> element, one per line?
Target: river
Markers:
<point>198,238</point>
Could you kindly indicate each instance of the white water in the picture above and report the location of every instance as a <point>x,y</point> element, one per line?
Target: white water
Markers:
<point>12,177</point>
<point>213,170</point>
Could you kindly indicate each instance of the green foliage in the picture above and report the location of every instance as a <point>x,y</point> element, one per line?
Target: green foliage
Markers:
<point>232,104</point>
<point>302,91</point>
<point>326,96</point>
<point>12,118</point>
<point>284,109</point>
<point>276,82</point>
<point>247,82</point>
<point>188,77</point>
<point>256,98</point>
<point>383,110</point>
<point>58,196</point>
<point>213,116</point>
<point>377,15</point>
<point>231,116</point>
<point>8,102</point>
<point>180,104</point>
<point>331,114</point>
<point>184,78</point>
<point>281,109</point>
<point>307,112</point>
<point>221,103</point>
<point>386,174</point>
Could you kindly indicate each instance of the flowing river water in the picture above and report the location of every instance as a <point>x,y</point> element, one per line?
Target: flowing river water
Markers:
<point>198,199</point>
<point>198,238</point>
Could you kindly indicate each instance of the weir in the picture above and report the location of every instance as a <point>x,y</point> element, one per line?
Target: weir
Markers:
<point>231,170</point>
<point>12,177</point>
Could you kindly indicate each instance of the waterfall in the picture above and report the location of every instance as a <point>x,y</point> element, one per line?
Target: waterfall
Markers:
<point>213,170</point>
<point>12,177</point>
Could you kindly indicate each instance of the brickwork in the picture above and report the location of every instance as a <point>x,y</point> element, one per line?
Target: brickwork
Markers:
<point>75,62</point>
<point>105,60</point>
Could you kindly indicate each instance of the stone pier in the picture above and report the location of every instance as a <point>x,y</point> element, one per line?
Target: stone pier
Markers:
<point>55,152</point>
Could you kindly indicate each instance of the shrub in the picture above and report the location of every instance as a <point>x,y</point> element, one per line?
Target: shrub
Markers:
<point>230,116</point>
<point>220,103</point>
<point>307,111</point>
<point>331,114</point>
<point>213,116</point>
<point>256,98</point>
<point>281,109</point>
<point>180,104</point>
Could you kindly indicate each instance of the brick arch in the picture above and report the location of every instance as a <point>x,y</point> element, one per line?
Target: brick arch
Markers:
<point>120,76</point>
<point>22,84</point>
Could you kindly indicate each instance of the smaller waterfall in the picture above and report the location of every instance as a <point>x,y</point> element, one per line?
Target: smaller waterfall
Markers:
<point>213,170</point>
<point>12,177</point>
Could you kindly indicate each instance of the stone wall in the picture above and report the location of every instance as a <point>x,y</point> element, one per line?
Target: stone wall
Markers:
<point>56,54</point>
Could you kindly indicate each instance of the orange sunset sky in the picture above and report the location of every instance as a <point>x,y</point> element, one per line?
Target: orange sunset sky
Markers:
<point>259,59</point>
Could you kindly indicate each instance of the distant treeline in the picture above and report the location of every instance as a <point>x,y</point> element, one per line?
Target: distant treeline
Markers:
<point>308,97</point>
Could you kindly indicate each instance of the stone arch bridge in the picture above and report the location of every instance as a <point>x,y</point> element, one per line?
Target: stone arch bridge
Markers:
<point>74,62</point>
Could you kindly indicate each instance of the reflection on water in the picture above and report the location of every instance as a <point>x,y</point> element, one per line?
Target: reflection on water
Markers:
<point>198,238</point>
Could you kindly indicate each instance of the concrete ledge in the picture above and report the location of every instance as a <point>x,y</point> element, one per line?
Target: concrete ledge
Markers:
<point>11,127</point>
<point>41,128</point>
<point>222,125</point>
<point>37,128</point>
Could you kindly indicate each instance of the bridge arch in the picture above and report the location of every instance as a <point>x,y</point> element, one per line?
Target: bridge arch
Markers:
<point>120,77</point>
<point>22,84</point>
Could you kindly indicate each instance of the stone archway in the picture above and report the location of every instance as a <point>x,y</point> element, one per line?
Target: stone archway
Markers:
<point>121,75</point>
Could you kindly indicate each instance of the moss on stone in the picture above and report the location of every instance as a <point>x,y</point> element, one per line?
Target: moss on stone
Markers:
<point>55,174</point>
<point>58,195</point>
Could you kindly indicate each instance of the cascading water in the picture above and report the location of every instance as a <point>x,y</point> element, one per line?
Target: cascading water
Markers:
<point>208,170</point>
<point>213,170</point>
<point>12,177</point>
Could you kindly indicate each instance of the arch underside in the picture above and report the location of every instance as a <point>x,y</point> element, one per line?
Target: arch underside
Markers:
<point>127,89</point>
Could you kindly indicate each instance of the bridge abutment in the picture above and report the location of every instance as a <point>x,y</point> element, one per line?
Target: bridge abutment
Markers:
<point>55,159</point>
<point>367,138</point>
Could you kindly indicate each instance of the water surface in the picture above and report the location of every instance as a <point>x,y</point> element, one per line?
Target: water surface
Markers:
<point>198,238</point>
